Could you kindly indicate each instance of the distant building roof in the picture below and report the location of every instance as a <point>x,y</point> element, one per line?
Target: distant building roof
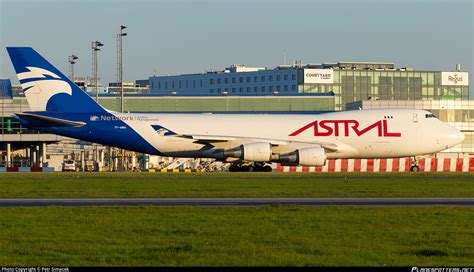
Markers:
<point>343,65</point>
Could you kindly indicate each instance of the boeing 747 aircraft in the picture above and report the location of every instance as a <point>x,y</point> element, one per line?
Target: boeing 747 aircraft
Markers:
<point>59,106</point>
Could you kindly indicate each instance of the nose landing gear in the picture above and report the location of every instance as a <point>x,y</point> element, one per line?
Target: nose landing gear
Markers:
<point>414,166</point>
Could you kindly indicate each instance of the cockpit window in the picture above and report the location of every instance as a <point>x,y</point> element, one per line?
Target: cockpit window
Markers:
<point>430,115</point>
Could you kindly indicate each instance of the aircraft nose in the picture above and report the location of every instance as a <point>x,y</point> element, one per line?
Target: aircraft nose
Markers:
<point>459,137</point>
<point>453,136</point>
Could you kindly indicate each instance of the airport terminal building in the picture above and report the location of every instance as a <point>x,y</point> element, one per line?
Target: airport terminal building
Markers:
<point>348,81</point>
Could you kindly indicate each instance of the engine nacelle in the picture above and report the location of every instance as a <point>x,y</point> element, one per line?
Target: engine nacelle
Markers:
<point>305,156</point>
<point>259,152</point>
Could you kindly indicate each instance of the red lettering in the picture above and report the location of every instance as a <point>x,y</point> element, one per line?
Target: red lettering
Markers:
<point>377,124</point>
<point>354,126</point>
<point>323,125</point>
<point>346,128</point>
<point>389,134</point>
<point>312,124</point>
<point>331,127</point>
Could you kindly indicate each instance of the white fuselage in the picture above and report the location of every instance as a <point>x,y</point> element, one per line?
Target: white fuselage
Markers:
<point>349,134</point>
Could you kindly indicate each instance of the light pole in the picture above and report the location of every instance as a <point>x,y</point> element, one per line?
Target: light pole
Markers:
<point>120,63</point>
<point>72,60</point>
<point>95,66</point>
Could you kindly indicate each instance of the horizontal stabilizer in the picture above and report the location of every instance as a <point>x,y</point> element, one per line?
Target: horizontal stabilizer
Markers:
<point>35,120</point>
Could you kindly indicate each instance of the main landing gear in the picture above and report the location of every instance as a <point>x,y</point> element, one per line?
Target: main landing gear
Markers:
<point>250,167</point>
<point>414,165</point>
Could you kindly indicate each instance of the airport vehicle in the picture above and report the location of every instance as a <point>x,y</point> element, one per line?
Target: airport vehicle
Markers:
<point>69,165</point>
<point>60,107</point>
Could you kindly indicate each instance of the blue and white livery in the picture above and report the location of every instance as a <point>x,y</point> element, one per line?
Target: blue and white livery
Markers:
<point>60,107</point>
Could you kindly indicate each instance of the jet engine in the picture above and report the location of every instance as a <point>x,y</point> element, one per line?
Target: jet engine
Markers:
<point>305,156</point>
<point>259,152</point>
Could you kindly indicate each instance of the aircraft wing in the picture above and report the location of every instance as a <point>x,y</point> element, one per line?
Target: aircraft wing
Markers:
<point>216,141</point>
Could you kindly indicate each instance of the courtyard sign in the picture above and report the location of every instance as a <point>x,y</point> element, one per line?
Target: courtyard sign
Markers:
<point>324,76</point>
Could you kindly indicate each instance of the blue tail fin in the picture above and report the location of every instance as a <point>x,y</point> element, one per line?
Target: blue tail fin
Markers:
<point>45,87</point>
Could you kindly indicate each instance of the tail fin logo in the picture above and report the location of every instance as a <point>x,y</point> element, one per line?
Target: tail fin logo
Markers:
<point>40,85</point>
<point>162,131</point>
<point>35,72</point>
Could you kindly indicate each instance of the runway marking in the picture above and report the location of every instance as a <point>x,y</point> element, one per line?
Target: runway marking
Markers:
<point>83,202</point>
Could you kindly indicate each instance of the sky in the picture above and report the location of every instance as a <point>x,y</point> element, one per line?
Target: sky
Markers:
<point>176,37</point>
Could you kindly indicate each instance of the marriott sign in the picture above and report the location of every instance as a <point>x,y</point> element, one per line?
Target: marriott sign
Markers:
<point>325,76</point>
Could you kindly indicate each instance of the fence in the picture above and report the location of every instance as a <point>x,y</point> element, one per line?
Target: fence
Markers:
<point>387,165</point>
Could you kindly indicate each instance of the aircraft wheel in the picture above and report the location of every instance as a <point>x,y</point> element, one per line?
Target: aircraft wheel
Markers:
<point>415,168</point>
<point>267,168</point>
<point>234,168</point>
<point>245,169</point>
<point>256,167</point>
